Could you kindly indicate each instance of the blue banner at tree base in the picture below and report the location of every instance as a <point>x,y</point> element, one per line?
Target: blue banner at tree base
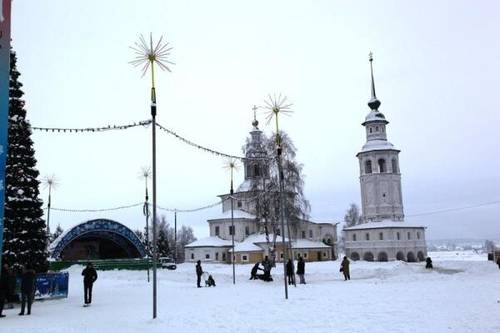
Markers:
<point>48,286</point>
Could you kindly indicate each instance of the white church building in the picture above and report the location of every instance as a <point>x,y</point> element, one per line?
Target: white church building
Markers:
<point>382,234</point>
<point>312,240</point>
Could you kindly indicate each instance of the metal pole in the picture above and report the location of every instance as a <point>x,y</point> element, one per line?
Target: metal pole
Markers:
<point>48,214</point>
<point>175,237</point>
<point>232,227</point>
<point>153,122</point>
<point>147,223</point>
<point>282,203</point>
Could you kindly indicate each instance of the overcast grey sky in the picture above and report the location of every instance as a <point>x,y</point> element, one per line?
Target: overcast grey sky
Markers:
<point>437,72</point>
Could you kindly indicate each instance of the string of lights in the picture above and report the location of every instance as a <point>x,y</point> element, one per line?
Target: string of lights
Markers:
<point>71,210</point>
<point>91,129</point>
<point>173,210</point>
<point>208,150</point>
<point>95,210</point>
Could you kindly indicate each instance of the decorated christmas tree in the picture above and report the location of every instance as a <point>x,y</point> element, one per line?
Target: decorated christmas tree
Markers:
<point>24,227</point>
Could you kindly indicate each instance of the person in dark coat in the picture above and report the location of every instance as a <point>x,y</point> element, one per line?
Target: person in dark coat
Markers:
<point>4,287</point>
<point>428,263</point>
<point>253,272</point>
<point>199,272</point>
<point>344,268</point>
<point>267,270</point>
<point>89,277</point>
<point>28,279</point>
<point>289,271</point>
<point>498,263</point>
<point>301,269</point>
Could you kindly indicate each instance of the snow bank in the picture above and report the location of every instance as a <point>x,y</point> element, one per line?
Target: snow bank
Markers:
<point>459,295</point>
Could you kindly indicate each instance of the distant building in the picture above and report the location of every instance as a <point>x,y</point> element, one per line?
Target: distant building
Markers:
<point>313,241</point>
<point>382,235</point>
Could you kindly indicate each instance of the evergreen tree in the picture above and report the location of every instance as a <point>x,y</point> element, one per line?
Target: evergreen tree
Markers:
<point>24,227</point>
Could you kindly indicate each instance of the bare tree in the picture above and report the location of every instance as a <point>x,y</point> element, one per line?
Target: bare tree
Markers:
<point>352,216</point>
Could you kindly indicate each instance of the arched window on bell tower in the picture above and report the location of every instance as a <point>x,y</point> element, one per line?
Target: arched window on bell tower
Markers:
<point>368,166</point>
<point>381,166</point>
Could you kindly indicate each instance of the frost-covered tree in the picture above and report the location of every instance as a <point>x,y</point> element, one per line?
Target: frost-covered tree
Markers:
<point>185,235</point>
<point>56,233</point>
<point>352,216</point>
<point>24,227</point>
<point>297,207</point>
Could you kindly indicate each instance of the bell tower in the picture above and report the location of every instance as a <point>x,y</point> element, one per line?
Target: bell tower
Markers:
<point>255,163</point>
<point>380,177</point>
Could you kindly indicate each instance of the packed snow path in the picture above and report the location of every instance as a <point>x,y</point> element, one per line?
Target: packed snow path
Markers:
<point>458,296</point>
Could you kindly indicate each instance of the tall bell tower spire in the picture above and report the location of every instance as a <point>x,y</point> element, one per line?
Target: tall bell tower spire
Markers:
<point>374,103</point>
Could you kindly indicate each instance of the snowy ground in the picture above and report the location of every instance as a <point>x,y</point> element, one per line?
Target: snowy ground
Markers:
<point>461,295</point>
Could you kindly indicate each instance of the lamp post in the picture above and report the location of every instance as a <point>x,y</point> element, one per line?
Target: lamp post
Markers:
<point>231,165</point>
<point>276,105</point>
<point>147,56</point>
<point>49,182</point>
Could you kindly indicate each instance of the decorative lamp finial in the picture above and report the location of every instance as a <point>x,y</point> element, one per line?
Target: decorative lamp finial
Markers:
<point>374,103</point>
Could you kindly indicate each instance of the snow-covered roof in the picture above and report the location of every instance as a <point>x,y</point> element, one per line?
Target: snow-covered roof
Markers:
<point>213,241</point>
<point>375,116</point>
<point>384,224</point>
<point>308,244</point>
<point>261,238</point>
<point>237,214</point>
<point>377,145</point>
<point>246,246</point>
<point>247,186</point>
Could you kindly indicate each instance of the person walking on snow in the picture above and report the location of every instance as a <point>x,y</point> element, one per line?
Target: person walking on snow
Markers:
<point>289,271</point>
<point>199,272</point>
<point>28,279</point>
<point>498,263</point>
<point>301,269</point>
<point>89,277</point>
<point>344,268</point>
<point>4,286</point>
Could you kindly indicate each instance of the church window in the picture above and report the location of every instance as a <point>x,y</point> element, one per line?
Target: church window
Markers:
<point>207,256</point>
<point>418,235</point>
<point>244,258</point>
<point>231,230</point>
<point>217,231</point>
<point>217,256</point>
<point>305,255</point>
<point>367,236</point>
<point>354,237</point>
<point>383,129</point>
<point>381,236</point>
<point>239,204</point>
<point>368,166</point>
<point>409,235</point>
<point>303,234</point>
<point>376,128</point>
<point>256,170</point>
<point>371,130</point>
<point>381,165</point>
<point>192,256</point>
<point>310,233</point>
<point>223,257</point>
<point>394,166</point>
<point>398,236</point>
<point>247,230</point>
